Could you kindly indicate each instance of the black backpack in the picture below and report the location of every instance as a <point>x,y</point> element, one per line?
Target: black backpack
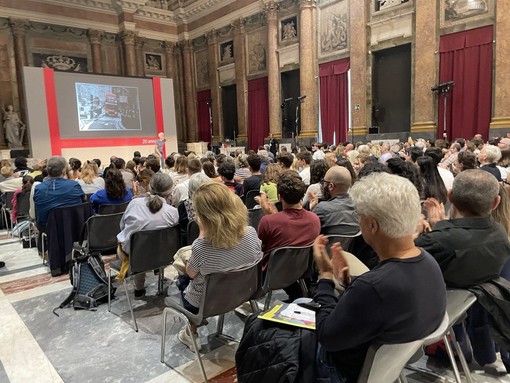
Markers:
<point>89,280</point>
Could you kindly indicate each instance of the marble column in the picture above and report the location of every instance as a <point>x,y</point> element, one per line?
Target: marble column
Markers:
<point>128,42</point>
<point>189,91</point>
<point>168,50</point>
<point>19,29</point>
<point>95,39</point>
<point>425,64</point>
<point>273,70</point>
<point>182,129</point>
<point>500,124</point>
<point>241,80</point>
<point>308,69</point>
<point>214,83</point>
<point>140,59</point>
<point>361,110</point>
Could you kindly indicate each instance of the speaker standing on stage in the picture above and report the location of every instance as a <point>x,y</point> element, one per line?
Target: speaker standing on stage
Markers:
<point>158,148</point>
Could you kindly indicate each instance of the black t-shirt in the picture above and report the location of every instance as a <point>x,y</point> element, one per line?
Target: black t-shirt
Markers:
<point>399,300</point>
<point>252,183</point>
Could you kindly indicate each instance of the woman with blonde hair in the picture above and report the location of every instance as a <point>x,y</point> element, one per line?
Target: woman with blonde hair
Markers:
<point>226,243</point>
<point>269,180</point>
<point>89,180</point>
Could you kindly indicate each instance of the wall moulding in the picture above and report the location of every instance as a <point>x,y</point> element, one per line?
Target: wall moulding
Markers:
<point>227,74</point>
<point>288,55</point>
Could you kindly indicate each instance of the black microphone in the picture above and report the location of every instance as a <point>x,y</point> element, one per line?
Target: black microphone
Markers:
<point>301,98</point>
<point>209,102</point>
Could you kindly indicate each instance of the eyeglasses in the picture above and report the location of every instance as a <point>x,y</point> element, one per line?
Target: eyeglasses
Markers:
<point>325,183</point>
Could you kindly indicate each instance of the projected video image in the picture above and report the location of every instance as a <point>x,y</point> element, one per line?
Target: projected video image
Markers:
<point>107,107</point>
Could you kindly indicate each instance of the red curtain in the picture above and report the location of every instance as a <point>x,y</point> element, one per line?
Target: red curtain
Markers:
<point>466,59</point>
<point>204,129</point>
<point>334,100</point>
<point>258,112</point>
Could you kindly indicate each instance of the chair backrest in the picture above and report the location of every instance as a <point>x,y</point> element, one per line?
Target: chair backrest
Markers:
<point>345,241</point>
<point>7,199</point>
<point>223,292</point>
<point>286,265</point>
<point>101,231</point>
<point>458,301</point>
<point>250,199</point>
<point>152,249</point>
<point>23,202</point>
<point>254,217</point>
<point>113,208</point>
<point>384,363</point>
<point>193,231</point>
<point>356,267</point>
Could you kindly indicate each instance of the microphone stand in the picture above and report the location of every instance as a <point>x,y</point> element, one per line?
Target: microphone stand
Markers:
<point>444,90</point>
<point>299,99</point>
<point>209,105</point>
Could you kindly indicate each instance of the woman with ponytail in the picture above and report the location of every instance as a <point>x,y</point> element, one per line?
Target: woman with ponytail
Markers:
<point>147,213</point>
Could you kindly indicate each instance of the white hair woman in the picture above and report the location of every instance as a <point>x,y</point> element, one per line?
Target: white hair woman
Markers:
<point>147,213</point>
<point>400,300</point>
<point>226,243</point>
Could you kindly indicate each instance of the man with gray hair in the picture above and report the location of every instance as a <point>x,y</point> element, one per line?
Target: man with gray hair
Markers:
<point>56,190</point>
<point>488,158</point>
<point>400,300</point>
<point>470,247</point>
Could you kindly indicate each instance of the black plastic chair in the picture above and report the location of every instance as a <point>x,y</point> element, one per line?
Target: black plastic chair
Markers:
<point>23,214</point>
<point>100,234</point>
<point>113,208</point>
<point>287,265</point>
<point>346,241</point>
<point>254,217</point>
<point>149,250</point>
<point>250,199</point>
<point>192,232</point>
<point>6,210</point>
<point>223,292</point>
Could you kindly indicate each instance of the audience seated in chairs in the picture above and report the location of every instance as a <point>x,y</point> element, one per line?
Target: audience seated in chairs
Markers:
<point>55,191</point>
<point>226,243</point>
<point>89,179</point>
<point>180,192</point>
<point>294,226</point>
<point>471,248</point>
<point>401,300</point>
<point>336,212</point>
<point>226,171</point>
<point>253,182</point>
<point>11,180</point>
<point>114,192</point>
<point>147,213</point>
<point>186,209</point>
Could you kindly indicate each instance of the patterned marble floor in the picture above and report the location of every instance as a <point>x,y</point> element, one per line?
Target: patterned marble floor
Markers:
<point>98,346</point>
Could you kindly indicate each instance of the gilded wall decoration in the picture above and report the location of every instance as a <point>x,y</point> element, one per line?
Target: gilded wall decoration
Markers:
<point>455,12</point>
<point>202,68</point>
<point>334,27</point>
<point>257,49</point>
<point>60,62</point>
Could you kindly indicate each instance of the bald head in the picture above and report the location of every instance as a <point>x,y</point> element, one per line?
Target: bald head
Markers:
<point>340,177</point>
<point>475,193</point>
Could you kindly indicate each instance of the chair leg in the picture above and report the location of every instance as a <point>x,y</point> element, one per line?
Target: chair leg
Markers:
<point>109,290</point>
<point>451,357</point>
<point>130,305</point>
<point>304,289</point>
<point>219,327</point>
<point>463,361</point>
<point>197,352</point>
<point>43,236</point>
<point>161,280</point>
<point>254,306</point>
<point>268,300</point>
<point>163,335</point>
<point>402,378</point>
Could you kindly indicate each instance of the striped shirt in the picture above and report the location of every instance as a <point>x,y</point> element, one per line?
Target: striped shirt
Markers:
<point>206,259</point>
